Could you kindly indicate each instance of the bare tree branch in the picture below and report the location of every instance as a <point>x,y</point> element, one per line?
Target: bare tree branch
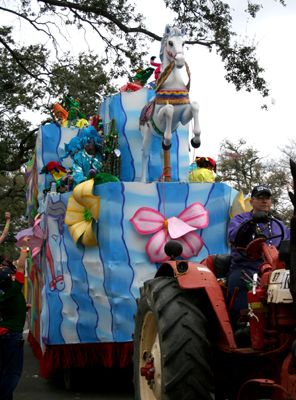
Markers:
<point>17,59</point>
<point>110,17</point>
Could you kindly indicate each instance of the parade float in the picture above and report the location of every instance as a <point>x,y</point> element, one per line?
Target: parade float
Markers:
<point>84,277</point>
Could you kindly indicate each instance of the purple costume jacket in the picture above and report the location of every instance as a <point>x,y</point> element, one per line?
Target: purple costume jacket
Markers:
<point>246,236</point>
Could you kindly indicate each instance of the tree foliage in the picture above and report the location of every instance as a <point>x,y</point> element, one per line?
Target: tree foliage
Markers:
<point>288,151</point>
<point>242,167</point>
<point>123,35</point>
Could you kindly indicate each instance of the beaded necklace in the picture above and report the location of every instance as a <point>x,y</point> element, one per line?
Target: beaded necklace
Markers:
<point>269,230</point>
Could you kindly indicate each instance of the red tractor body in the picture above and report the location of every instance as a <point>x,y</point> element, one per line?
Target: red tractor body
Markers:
<point>267,369</point>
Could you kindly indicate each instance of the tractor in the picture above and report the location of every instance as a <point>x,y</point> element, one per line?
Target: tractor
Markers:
<point>184,345</point>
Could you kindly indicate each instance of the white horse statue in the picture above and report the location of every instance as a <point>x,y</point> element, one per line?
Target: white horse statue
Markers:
<point>171,104</point>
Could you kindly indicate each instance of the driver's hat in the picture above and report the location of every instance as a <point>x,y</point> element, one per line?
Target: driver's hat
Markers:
<point>257,190</point>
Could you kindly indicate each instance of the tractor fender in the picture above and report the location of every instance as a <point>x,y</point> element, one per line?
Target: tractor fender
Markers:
<point>198,276</point>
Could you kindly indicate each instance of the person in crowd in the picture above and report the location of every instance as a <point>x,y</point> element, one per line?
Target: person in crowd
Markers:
<point>6,228</point>
<point>61,114</point>
<point>4,263</point>
<point>261,224</point>
<point>89,158</point>
<point>75,117</point>
<point>13,310</point>
<point>204,170</point>
<point>140,80</point>
<point>157,65</point>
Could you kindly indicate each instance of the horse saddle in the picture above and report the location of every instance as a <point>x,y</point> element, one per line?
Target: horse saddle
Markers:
<point>147,112</point>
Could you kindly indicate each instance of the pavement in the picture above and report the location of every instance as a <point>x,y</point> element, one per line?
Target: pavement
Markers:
<point>90,383</point>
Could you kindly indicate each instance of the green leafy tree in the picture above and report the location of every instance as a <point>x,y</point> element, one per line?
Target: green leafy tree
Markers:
<point>288,151</point>
<point>84,78</point>
<point>121,29</point>
<point>242,167</point>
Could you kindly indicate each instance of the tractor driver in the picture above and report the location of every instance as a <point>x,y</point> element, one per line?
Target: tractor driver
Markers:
<point>261,203</point>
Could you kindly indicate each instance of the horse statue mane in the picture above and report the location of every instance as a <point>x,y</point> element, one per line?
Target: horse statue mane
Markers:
<point>171,105</point>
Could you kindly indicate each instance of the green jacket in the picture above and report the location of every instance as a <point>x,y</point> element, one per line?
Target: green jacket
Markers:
<point>13,308</point>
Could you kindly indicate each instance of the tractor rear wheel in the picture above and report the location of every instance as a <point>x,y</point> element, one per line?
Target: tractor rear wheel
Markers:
<point>171,350</point>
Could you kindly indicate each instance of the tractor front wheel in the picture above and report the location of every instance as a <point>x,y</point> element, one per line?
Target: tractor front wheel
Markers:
<point>171,350</point>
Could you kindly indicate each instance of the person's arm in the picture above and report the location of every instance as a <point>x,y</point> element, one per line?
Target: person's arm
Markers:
<point>292,198</point>
<point>245,235</point>
<point>291,194</point>
<point>78,175</point>
<point>6,228</point>
<point>286,231</point>
<point>22,260</point>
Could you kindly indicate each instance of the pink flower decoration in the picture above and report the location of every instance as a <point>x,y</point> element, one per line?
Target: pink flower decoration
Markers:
<point>147,221</point>
<point>36,235</point>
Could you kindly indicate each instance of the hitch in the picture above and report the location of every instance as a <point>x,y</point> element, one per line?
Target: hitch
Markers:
<point>148,370</point>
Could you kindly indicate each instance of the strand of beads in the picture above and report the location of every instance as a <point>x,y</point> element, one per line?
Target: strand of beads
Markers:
<point>112,160</point>
<point>269,231</point>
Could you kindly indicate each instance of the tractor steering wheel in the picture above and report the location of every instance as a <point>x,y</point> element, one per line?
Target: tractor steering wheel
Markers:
<point>258,237</point>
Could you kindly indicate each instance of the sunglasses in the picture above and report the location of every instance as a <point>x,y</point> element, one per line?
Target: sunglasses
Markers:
<point>262,197</point>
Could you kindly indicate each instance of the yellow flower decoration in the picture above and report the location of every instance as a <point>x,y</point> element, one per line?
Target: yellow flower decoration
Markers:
<point>82,208</point>
<point>240,204</point>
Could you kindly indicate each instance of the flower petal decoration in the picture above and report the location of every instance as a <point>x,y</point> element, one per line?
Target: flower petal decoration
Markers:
<point>147,221</point>
<point>35,252</point>
<point>74,213</point>
<point>83,208</point>
<point>240,204</point>
<point>191,243</point>
<point>178,228</point>
<point>195,215</point>
<point>83,195</point>
<point>155,246</point>
<point>36,235</point>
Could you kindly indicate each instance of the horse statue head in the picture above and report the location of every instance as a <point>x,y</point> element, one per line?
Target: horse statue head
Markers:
<point>172,45</point>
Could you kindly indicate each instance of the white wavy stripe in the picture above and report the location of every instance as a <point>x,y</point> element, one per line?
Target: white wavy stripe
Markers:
<point>184,155</point>
<point>95,275</point>
<point>41,178</point>
<point>132,104</point>
<point>135,142</point>
<point>143,271</point>
<point>103,109</point>
<point>136,242</point>
<point>146,190</point>
<point>69,310</point>
<point>126,327</point>
<point>44,318</point>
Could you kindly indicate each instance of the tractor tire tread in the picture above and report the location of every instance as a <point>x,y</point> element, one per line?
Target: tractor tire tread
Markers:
<point>182,328</point>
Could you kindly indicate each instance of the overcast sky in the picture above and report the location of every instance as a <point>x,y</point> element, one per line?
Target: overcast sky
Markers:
<point>225,113</point>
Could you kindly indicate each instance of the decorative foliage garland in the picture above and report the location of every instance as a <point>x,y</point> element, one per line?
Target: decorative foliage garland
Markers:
<point>112,159</point>
<point>164,75</point>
